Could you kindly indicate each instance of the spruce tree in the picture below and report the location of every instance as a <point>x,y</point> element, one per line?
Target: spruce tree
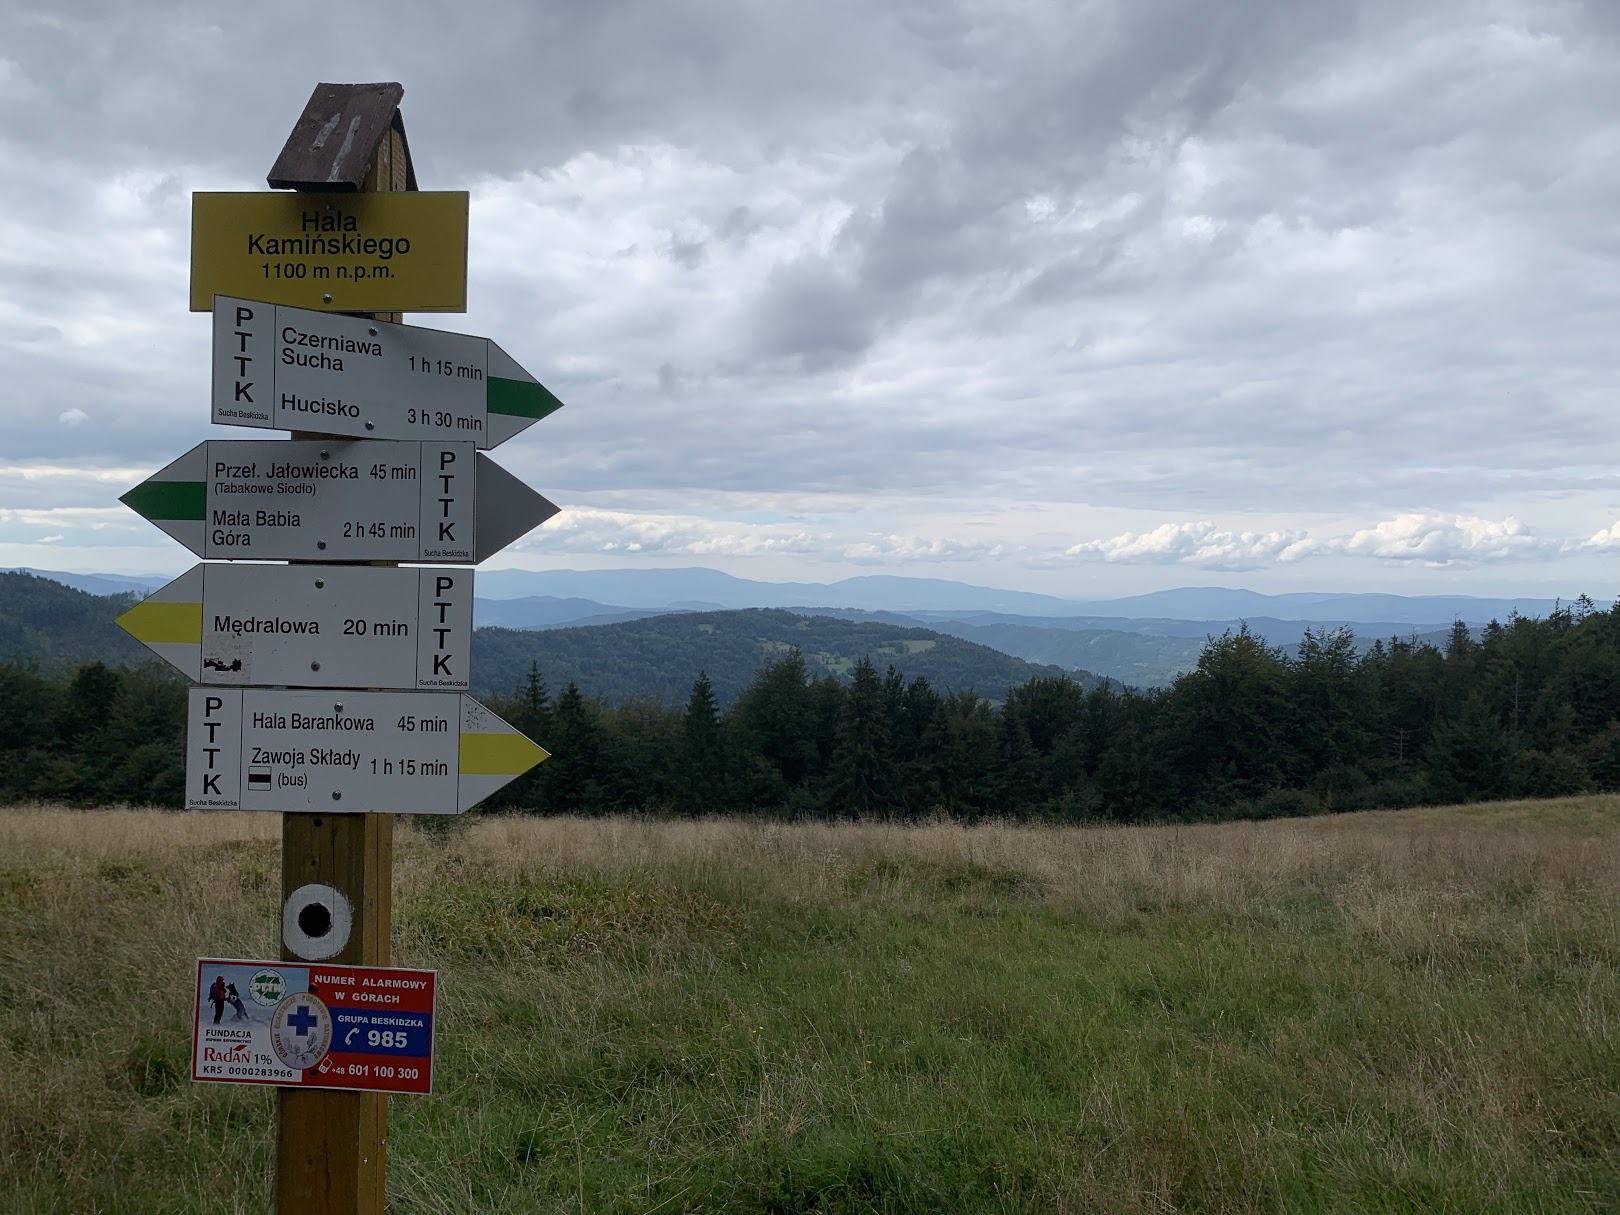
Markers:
<point>960,751</point>
<point>570,780</point>
<point>1470,755</point>
<point>702,781</point>
<point>777,727</point>
<point>862,780</point>
<point>536,703</point>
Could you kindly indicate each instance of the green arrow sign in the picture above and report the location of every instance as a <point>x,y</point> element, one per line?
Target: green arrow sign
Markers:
<point>297,369</point>
<point>339,500</point>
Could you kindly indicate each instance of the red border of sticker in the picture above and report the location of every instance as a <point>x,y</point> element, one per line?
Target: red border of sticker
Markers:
<point>353,990</point>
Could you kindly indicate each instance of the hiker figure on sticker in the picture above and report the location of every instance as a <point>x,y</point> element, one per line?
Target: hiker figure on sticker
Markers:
<point>217,995</point>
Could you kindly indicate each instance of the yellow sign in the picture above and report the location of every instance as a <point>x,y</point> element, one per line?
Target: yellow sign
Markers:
<point>404,252</point>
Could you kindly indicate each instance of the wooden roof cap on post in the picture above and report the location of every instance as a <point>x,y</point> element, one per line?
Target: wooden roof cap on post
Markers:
<point>335,139</point>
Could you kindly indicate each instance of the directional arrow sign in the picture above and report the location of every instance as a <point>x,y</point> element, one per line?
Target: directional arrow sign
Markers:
<point>388,752</point>
<point>312,626</point>
<point>292,369</point>
<point>339,501</point>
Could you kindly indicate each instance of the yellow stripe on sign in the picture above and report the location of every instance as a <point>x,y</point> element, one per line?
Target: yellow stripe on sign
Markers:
<point>499,754</point>
<point>164,623</point>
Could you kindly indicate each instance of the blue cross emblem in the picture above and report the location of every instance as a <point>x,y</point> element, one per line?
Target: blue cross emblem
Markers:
<point>302,1021</point>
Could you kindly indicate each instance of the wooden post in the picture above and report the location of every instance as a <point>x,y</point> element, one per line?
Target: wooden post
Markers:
<point>330,1146</point>
<point>331,1156</point>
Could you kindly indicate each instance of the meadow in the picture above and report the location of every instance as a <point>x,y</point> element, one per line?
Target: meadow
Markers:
<point>1372,1012</point>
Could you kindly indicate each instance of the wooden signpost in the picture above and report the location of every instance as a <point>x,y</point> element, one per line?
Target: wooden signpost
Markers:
<point>339,756</point>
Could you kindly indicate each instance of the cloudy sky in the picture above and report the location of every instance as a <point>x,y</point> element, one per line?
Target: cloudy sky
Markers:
<point>1077,297</point>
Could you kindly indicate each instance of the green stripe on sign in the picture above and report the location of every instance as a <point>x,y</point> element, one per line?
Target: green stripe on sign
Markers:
<point>520,398</point>
<point>169,500</point>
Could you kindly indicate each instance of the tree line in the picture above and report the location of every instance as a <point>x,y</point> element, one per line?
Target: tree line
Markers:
<point>1528,708</point>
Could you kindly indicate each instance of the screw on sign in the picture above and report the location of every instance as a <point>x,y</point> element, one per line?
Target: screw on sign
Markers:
<point>384,466</point>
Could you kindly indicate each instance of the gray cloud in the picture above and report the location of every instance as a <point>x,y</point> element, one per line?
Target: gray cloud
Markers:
<point>810,312</point>
<point>1196,261</point>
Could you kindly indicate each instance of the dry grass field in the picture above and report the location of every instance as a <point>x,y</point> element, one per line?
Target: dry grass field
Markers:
<point>1406,1011</point>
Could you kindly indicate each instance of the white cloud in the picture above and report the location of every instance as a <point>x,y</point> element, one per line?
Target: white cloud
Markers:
<point>73,417</point>
<point>608,532</point>
<point>880,550</point>
<point>1430,539</point>
<point>1440,540</point>
<point>69,472</point>
<point>1200,544</point>
<point>93,518</point>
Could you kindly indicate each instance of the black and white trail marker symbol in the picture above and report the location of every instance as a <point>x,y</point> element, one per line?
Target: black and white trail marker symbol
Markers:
<point>316,921</point>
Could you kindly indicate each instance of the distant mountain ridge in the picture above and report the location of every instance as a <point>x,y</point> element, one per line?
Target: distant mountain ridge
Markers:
<point>710,590</point>
<point>661,655</point>
<point>102,584</point>
<point>700,589</point>
<point>55,627</point>
<point>550,611</point>
<point>1143,640</point>
<point>1221,603</point>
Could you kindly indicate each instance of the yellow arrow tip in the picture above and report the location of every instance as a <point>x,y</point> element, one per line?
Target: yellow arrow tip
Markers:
<point>499,754</point>
<point>164,623</point>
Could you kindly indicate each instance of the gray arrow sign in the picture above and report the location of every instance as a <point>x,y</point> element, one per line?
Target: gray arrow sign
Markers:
<point>339,500</point>
<point>312,626</point>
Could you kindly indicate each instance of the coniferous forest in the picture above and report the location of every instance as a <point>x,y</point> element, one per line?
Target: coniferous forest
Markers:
<point>1529,708</point>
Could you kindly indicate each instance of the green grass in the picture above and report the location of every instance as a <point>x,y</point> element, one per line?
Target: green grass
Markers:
<point>1415,1012</point>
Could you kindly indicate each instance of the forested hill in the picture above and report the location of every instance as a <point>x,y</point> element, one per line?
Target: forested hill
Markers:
<point>661,655</point>
<point>55,628</point>
<point>1532,709</point>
